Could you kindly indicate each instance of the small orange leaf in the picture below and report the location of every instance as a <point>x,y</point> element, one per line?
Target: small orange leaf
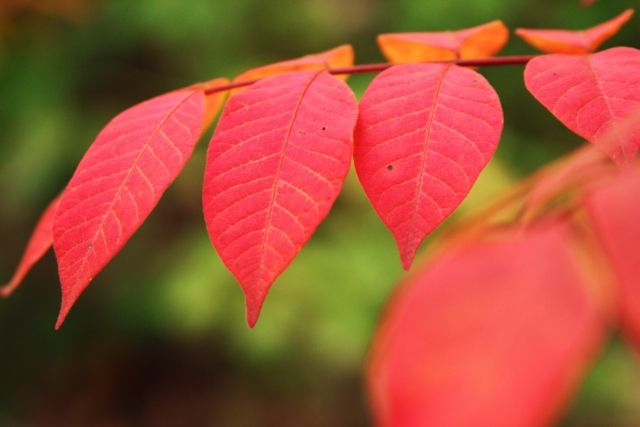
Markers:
<point>341,56</point>
<point>477,42</point>
<point>566,41</point>
<point>119,181</point>
<point>213,102</point>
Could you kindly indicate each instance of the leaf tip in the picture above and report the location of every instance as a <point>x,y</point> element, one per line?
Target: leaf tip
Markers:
<point>62,315</point>
<point>407,255</point>
<point>253,306</point>
<point>6,290</point>
<point>68,300</point>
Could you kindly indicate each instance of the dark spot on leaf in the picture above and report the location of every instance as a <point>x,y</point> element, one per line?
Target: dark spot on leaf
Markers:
<point>389,167</point>
<point>324,128</point>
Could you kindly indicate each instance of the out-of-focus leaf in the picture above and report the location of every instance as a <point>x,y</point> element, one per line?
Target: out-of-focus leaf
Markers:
<point>614,209</point>
<point>496,333</point>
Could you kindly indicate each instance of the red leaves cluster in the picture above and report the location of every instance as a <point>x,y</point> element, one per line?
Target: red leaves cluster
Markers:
<point>420,136</point>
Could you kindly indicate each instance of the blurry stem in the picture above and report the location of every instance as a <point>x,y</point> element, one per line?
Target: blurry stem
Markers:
<point>374,68</point>
<point>517,196</point>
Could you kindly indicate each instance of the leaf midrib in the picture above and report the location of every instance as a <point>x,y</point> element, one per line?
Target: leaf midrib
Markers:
<point>274,194</point>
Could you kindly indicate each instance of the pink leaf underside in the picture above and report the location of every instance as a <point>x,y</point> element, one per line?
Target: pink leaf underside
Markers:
<point>424,133</point>
<point>275,165</point>
<point>614,210</point>
<point>39,243</point>
<point>118,183</point>
<point>492,334</point>
<point>592,95</point>
<point>572,42</point>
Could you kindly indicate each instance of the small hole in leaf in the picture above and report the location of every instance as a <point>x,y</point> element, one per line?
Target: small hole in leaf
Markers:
<point>389,167</point>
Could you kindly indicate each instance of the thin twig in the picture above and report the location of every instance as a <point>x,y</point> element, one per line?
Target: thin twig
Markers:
<point>374,68</point>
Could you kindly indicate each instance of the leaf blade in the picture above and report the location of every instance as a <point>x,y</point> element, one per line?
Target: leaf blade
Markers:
<point>574,42</point>
<point>275,165</point>
<point>477,42</point>
<point>591,95</point>
<point>39,243</point>
<point>118,183</point>
<point>340,56</point>
<point>424,133</point>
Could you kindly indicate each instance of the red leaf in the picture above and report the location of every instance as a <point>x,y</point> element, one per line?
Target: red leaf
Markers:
<point>592,95</point>
<point>496,334</point>
<point>275,165</point>
<point>118,183</point>
<point>424,133</point>
<point>472,43</point>
<point>614,210</point>
<point>38,245</point>
<point>341,56</point>
<point>571,42</point>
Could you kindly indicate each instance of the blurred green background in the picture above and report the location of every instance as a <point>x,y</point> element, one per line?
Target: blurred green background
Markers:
<point>159,339</point>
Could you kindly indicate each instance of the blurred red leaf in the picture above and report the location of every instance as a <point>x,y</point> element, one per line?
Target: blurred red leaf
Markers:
<point>39,243</point>
<point>424,133</point>
<point>275,165</point>
<point>614,210</point>
<point>497,333</point>
<point>592,95</point>
<point>472,43</point>
<point>572,42</point>
<point>118,183</point>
